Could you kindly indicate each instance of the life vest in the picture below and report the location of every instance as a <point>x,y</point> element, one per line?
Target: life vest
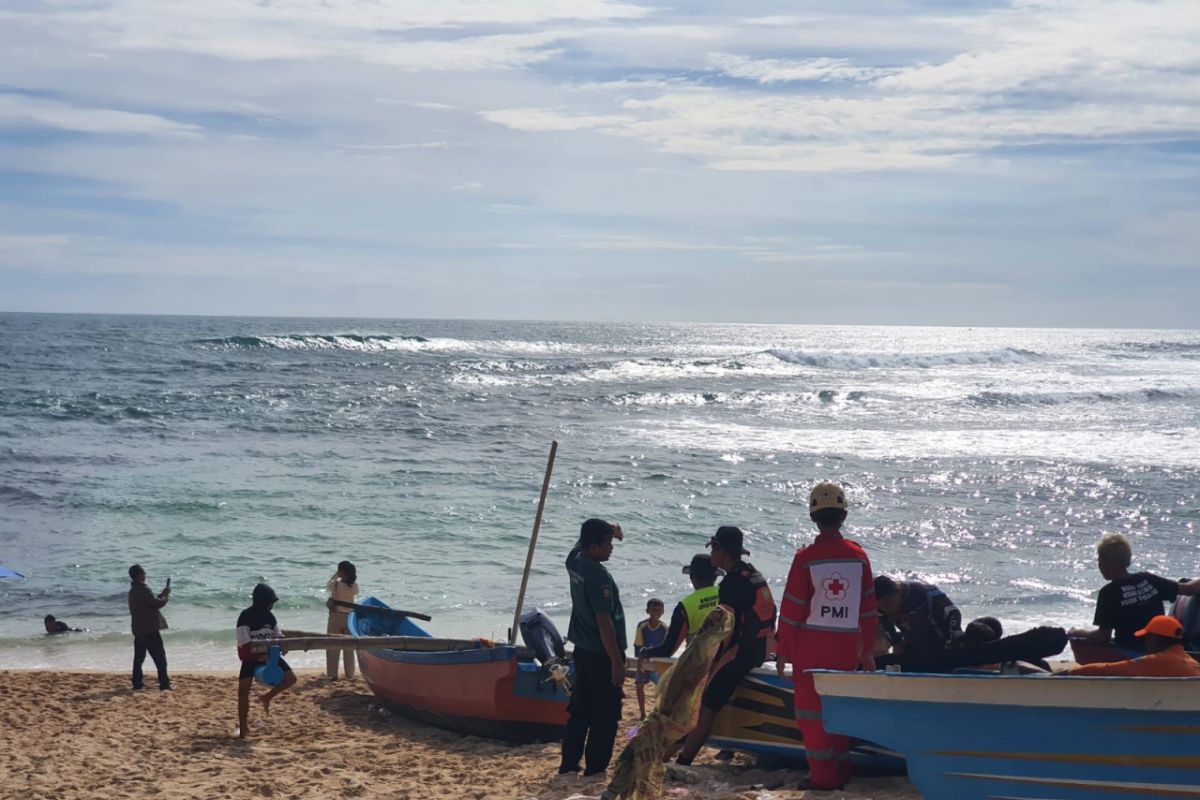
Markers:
<point>698,605</point>
<point>764,601</point>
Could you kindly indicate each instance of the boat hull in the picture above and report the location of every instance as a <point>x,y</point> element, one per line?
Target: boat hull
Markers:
<point>972,737</point>
<point>485,691</point>
<point>488,695</point>
<point>761,719</point>
<point>1085,651</point>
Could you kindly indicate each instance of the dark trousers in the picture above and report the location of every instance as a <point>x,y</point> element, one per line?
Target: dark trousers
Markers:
<point>151,643</point>
<point>593,714</point>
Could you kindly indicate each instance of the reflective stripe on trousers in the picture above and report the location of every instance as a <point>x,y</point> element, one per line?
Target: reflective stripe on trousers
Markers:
<point>828,753</point>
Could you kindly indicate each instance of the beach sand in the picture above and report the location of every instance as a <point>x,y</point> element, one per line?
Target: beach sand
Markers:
<point>79,735</point>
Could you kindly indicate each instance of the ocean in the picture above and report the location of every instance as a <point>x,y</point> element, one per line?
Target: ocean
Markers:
<point>225,451</point>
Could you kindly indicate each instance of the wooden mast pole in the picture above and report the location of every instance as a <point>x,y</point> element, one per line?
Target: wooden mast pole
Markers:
<point>537,524</point>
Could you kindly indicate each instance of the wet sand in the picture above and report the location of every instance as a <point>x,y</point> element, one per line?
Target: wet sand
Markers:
<point>86,735</point>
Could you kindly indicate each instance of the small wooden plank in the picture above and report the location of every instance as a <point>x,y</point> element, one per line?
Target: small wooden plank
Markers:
<point>393,612</point>
<point>420,644</point>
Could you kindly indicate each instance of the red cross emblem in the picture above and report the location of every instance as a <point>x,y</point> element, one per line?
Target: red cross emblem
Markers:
<point>834,586</point>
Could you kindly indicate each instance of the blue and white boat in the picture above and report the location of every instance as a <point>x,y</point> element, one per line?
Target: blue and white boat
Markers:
<point>1002,737</point>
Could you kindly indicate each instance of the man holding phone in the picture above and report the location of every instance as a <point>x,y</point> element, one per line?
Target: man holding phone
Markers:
<point>147,622</point>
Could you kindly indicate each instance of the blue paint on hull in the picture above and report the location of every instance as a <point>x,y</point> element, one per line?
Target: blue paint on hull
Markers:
<point>961,751</point>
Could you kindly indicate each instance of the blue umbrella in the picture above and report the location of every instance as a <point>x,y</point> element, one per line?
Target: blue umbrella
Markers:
<point>5,572</point>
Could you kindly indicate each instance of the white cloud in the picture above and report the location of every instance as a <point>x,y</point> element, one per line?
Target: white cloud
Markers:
<point>776,70</point>
<point>22,110</point>
<point>11,243</point>
<point>551,119</point>
<point>428,105</point>
<point>610,137</point>
<point>407,146</point>
<point>1113,72</point>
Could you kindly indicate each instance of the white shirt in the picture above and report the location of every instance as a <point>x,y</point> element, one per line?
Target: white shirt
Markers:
<point>340,590</point>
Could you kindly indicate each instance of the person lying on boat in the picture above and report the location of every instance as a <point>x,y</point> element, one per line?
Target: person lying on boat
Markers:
<point>54,626</point>
<point>691,611</point>
<point>1165,656</point>
<point>923,628</point>
<point>258,624</point>
<point>918,618</point>
<point>1129,600</point>
<point>745,591</point>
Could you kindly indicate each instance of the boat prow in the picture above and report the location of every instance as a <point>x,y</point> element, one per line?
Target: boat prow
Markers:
<point>974,737</point>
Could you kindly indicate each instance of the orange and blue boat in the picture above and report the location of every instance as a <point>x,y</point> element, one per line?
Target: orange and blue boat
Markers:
<point>487,690</point>
<point>1019,737</point>
<point>497,691</point>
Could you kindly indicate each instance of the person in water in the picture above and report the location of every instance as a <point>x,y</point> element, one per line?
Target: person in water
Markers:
<point>258,624</point>
<point>1165,656</point>
<point>1130,600</point>
<point>147,623</point>
<point>650,633</point>
<point>54,626</point>
<point>343,586</point>
<point>827,621</point>
<point>689,612</point>
<point>598,631</point>
<point>745,592</point>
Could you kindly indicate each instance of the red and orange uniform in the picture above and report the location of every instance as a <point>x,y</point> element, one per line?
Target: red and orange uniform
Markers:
<point>827,620</point>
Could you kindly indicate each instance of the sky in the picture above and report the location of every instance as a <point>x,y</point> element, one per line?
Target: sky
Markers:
<point>967,163</point>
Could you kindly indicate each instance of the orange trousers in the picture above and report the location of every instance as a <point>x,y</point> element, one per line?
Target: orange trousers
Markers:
<point>828,754</point>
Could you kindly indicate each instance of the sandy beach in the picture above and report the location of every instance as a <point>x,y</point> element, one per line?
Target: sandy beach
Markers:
<point>68,735</point>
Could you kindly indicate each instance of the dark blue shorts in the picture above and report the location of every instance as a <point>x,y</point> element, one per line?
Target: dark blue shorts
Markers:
<point>248,668</point>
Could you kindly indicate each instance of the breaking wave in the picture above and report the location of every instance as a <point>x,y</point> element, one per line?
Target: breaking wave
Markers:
<point>747,398</point>
<point>1008,355</point>
<point>1134,349</point>
<point>382,343</point>
<point>1152,395</point>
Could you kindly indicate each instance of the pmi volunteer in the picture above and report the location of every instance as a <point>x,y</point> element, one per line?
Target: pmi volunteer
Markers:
<point>827,620</point>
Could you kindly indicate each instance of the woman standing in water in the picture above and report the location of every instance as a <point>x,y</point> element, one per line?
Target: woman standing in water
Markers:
<point>342,586</point>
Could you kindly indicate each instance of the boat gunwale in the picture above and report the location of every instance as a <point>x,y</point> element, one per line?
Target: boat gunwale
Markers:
<point>1074,692</point>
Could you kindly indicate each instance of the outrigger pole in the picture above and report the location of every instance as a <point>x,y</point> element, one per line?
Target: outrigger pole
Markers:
<point>537,524</point>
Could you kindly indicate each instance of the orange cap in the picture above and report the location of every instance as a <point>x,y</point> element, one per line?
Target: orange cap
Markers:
<point>1162,625</point>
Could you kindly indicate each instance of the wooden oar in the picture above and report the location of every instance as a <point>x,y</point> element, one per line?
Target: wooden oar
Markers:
<point>395,612</point>
<point>537,524</point>
<point>419,644</point>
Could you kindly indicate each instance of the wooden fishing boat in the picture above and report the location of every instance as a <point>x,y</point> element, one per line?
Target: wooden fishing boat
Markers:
<point>760,718</point>
<point>497,691</point>
<point>981,737</point>
<point>485,690</point>
<point>1086,651</point>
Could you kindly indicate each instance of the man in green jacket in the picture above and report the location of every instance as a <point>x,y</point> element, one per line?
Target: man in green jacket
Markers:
<point>598,632</point>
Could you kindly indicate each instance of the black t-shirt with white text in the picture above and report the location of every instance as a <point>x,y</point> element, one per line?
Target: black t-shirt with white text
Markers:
<point>255,624</point>
<point>1127,604</point>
